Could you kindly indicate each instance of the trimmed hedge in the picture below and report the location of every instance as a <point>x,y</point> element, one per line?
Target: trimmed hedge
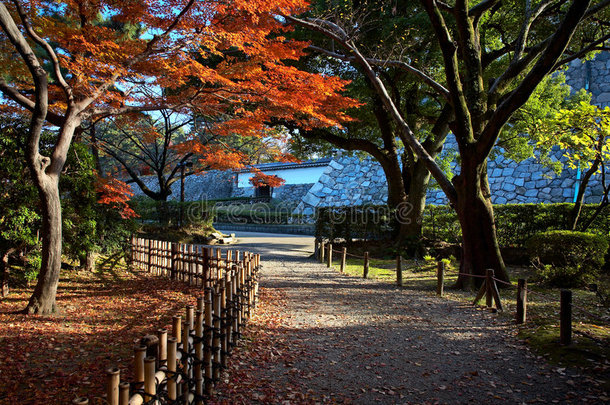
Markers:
<point>567,258</point>
<point>515,223</point>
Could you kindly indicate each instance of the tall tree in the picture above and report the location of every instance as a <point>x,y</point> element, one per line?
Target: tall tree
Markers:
<point>65,64</point>
<point>494,54</point>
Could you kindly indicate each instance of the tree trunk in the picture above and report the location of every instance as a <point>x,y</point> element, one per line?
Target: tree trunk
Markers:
<point>411,225</point>
<point>480,249</point>
<point>4,289</point>
<point>580,197</point>
<point>87,262</point>
<point>42,300</point>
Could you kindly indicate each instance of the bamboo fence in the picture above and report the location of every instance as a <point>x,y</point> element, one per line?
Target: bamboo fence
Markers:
<point>183,365</point>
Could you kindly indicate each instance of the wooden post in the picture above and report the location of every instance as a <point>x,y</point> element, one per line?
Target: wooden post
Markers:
<point>365,272</point>
<point>343,257</point>
<point>489,273</point>
<point>124,393</point>
<point>316,250</point>
<point>139,355</point>
<point>440,278</point>
<point>207,348</point>
<point>113,378</point>
<point>150,386</point>
<point>177,327</point>
<point>322,251</point>
<point>198,372</point>
<point>162,335</point>
<point>521,316</point>
<point>190,313</point>
<point>172,349</point>
<point>398,270</point>
<point>565,314</point>
<point>329,257</point>
<point>149,258</point>
<point>222,314</point>
<point>216,339</point>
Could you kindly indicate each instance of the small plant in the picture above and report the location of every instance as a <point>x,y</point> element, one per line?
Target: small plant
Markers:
<point>429,259</point>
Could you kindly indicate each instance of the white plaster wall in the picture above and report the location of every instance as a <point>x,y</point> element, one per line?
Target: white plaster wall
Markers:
<point>306,175</point>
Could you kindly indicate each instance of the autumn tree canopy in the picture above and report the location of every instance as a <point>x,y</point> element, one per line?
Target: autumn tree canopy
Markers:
<point>67,63</point>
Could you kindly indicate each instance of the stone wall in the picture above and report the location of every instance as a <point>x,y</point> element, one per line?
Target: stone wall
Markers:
<point>593,75</point>
<point>212,185</point>
<point>351,181</point>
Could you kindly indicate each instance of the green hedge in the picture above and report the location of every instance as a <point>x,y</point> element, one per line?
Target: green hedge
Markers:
<point>567,258</point>
<point>515,223</point>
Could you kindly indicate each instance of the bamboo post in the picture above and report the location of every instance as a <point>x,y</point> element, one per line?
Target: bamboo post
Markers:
<point>398,270</point>
<point>489,273</point>
<point>132,247</point>
<point>199,355</point>
<point>172,349</point>
<point>521,301</point>
<point>205,267</point>
<point>229,309</point>
<point>139,355</point>
<point>177,327</point>
<point>235,293</point>
<point>207,348</point>
<point>440,278</point>
<point>162,353</point>
<point>222,314</point>
<point>565,314</point>
<point>124,393</point>
<point>191,265</point>
<point>216,339</point>
<point>150,387</point>
<point>200,303</point>
<point>322,249</point>
<point>113,378</point>
<point>190,313</point>
<point>343,257</point>
<point>149,258</point>
<point>365,272</point>
<point>218,261</point>
<point>329,257</point>
<point>80,401</point>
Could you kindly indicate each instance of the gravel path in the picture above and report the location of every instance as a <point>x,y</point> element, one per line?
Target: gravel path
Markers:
<point>350,340</point>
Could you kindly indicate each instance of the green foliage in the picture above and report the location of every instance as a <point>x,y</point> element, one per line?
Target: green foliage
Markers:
<point>515,223</point>
<point>348,223</point>
<point>567,258</point>
<point>19,218</point>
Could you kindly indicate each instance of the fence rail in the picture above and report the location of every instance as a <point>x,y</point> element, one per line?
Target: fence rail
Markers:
<point>182,366</point>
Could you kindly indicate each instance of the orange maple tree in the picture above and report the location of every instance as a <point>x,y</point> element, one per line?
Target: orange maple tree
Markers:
<point>73,61</point>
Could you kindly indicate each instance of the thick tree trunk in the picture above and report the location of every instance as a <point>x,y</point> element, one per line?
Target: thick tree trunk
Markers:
<point>42,300</point>
<point>411,225</point>
<point>480,249</point>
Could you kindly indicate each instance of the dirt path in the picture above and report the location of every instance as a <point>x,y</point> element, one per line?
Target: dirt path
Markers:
<point>347,340</point>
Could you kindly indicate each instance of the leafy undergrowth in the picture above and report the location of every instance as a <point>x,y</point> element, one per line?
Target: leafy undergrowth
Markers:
<point>52,359</point>
<point>591,320</point>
